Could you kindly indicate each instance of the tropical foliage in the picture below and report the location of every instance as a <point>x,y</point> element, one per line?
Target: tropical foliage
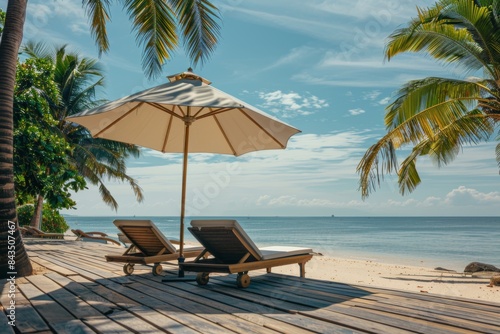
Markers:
<point>41,154</point>
<point>77,79</point>
<point>438,116</point>
<point>52,221</point>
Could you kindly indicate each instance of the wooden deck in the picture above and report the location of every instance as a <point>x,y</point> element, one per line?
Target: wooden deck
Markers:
<point>78,292</point>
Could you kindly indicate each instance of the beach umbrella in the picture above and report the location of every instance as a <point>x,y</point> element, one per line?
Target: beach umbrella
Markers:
<point>186,115</point>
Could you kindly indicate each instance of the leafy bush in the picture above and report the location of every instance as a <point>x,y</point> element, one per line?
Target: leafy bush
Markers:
<point>24,214</point>
<point>52,221</point>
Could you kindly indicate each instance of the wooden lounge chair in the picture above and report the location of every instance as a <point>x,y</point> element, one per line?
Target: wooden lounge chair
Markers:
<point>37,233</point>
<point>233,251</point>
<point>95,237</point>
<point>148,245</point>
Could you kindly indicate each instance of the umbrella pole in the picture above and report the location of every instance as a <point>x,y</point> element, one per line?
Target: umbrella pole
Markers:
<point>183,197</point>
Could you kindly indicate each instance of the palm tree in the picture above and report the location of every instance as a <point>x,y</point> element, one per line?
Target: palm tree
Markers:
<point>12,36</point>
<point>78,78</point>
<point>156,24</point>
<point>438,116</point>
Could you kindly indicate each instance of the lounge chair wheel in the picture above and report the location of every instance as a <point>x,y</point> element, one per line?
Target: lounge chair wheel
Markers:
<point>202,278</point>
<point>157,269</point>
<point>128,268</point>
<point>243,280</point>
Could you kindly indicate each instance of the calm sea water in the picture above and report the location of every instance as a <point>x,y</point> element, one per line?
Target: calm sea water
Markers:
<point>450,242</point>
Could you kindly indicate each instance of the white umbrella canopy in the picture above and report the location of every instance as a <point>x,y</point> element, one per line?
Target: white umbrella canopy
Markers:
<point>186,115</point>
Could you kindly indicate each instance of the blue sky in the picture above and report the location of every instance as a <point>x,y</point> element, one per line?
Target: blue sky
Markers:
<point>319,66</point>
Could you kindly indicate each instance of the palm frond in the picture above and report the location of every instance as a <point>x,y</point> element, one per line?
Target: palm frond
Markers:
<point>442,146</point>
<point>36,49</point>
<point>200,28</point>
<point>476,20</point>
<point>95,162</point>
<point>497,151</point>
<point>107,197</point>
<point>408,176</point>
<point>154,23</point>
<point>440,39</point>
<point>98,12</point>
<point>380,159</point>
<point>432,103</point>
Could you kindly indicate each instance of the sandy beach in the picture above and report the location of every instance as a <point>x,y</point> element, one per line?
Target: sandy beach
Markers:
<point>400,277</point>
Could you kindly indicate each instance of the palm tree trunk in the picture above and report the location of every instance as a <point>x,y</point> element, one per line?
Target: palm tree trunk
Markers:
<point>36,220</point>
<point>9,230</point>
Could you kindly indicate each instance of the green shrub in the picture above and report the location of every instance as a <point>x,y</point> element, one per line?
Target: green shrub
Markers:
<point>24,214</point>
<point>52,221</point>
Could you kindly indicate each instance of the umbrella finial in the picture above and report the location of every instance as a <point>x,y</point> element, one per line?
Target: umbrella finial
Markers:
<point>189,75</point>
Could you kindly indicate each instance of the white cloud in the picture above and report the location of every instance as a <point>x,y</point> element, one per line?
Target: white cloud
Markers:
<point>336,80</point>
<point>299,18</point>
<point>372,95</point>
<point>384,101</point>
<point>463,196</point>
<point>287,200</point>
<point>294,56</point>
<point>39,14</point>
<point>455,199</point>
<point>356,112</point>
<point>455,202</point>
<point>291,104</point>
<point>381,12</point>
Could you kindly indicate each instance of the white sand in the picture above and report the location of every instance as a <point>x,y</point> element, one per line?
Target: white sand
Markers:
<point>398,277</point>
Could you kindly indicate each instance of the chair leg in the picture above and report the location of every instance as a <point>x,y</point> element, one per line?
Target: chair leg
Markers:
<point>268,270</point>
<point>302,266</point>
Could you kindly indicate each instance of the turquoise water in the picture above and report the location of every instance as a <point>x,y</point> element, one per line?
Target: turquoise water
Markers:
<point>450,242</point>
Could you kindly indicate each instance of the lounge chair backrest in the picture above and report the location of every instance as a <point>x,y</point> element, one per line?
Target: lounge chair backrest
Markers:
<point>78,233</point>
<point>35,230</point>
<point>145,236</point>
<point>225,240</point>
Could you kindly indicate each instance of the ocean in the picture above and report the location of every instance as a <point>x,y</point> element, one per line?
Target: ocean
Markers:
<point>448,242</point>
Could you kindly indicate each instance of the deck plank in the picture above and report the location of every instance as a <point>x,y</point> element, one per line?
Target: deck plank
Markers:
<point>424,311</point>
<point>81,292</point>
<point>109,302</point>
<point>30,319</point>
<point>405,322</point>
<point>53,313</point>
<point>265,316</point>
<point>6,327</point>
<point>53,267</point>
<point>288,306</point>
<point>167,309</point>
<point>201,310</point>
<point>74,305</point>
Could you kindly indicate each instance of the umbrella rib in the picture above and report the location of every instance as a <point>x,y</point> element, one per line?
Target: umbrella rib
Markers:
<point>169,126</point>
<point>199,111</point>
<point>260,127</point>
<point>225,136</point>
<point>215,112</point>
<point>168,111</point>
<point>119,119</point>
